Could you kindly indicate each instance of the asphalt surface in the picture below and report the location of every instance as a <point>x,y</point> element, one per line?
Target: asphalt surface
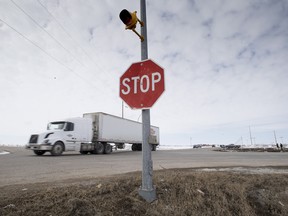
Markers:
<point>22,166</point>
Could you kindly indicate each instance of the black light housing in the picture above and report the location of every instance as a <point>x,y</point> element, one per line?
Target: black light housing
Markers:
<point>125,16</point>
<point>130,20</point>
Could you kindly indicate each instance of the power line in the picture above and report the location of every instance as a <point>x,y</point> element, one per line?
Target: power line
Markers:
<point>44,51</point>
<point>66,32</point>
<point>70,36</point>
<point>46,32</point>
<point>89,56</point>
<point>32,42</point>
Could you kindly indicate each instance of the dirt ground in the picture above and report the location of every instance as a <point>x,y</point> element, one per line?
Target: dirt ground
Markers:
<point>179,192</point>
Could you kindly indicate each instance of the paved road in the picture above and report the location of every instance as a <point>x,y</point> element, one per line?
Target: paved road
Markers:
<point>22,166</point>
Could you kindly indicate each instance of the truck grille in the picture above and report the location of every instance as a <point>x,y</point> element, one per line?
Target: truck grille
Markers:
<point>33,138</point>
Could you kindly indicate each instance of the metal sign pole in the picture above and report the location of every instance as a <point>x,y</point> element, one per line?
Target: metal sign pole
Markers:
<point>147,190</point>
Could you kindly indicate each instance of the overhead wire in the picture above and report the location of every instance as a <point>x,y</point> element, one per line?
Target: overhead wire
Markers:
<point>66,32</point>
<point>59,43</point>
<point>70,36</point>
<point>32,42</point>
<point>99,66</point>
<point>50,35</point>
<point>48,54</point>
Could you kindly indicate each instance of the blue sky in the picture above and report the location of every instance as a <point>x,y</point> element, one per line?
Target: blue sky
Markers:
<point>225,66</point>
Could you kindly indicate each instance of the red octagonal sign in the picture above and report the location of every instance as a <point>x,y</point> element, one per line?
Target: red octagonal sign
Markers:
<point>142,84</point>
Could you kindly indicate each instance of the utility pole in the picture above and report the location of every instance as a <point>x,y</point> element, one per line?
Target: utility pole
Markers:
<point>147,190</point>
<point>122,109</point>
<point>250,135</point>
<point>275,138</point>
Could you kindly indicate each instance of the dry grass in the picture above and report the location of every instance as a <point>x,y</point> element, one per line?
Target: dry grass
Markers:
<point>179,192</point>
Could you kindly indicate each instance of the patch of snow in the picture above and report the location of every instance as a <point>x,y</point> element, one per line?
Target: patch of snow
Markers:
<point>249,170</point>
<point>4,152</point>
<point>163,147</point>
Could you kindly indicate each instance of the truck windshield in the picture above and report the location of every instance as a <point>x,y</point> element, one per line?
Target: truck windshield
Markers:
<point>56,125</point>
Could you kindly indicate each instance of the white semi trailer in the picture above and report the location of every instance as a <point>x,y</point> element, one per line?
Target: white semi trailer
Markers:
<point>94,133</point>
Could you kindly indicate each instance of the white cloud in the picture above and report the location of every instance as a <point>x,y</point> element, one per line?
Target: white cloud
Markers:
<point>225,65</point>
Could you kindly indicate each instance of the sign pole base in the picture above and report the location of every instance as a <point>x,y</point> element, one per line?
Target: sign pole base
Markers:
<point>147,190</point>
<point>148,195</point>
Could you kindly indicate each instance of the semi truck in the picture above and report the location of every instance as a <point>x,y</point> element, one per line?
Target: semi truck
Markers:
<point>94,133</point>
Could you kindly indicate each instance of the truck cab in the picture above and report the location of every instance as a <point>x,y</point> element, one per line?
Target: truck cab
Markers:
<point>62,136</point>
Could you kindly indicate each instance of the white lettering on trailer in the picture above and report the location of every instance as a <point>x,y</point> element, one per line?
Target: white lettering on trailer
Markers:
<point>155,78</point>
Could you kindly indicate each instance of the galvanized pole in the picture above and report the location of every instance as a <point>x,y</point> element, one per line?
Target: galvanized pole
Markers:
<point>250,135</point>
<point>147,190</point>
<point>122,109</point>
<point>275,138</point>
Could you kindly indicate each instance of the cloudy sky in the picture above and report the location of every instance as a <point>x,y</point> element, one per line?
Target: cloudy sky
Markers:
<point>226,66</point>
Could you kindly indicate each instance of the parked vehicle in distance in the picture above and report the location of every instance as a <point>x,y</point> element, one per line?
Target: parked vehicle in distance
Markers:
<point>204,146</point>
<point>230,146</point>
<point>94,133</point>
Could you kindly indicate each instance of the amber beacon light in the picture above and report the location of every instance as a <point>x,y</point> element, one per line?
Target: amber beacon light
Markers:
<point>130,20</point>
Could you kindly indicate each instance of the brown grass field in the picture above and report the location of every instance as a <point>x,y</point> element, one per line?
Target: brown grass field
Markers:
<point>179,192</point>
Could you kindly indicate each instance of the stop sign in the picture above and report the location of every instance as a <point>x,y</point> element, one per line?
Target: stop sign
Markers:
<point>142,84</point>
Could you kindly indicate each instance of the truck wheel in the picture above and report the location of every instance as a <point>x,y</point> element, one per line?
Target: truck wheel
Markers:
<point>107,148</point>
<point>57,149</point>
<point>39,152</point>
<point>99,148</point>
<point>134,147</point>
<point>139,147</point>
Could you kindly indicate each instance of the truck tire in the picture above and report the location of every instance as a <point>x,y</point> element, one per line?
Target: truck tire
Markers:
<point>84,152</point>
<point>134,147</point>
<point>107,148</point>
<point>153,147</point>
<point>39,152</point>
<point>139,147</point>
<point>57,149</point>
<point>99,148</point>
